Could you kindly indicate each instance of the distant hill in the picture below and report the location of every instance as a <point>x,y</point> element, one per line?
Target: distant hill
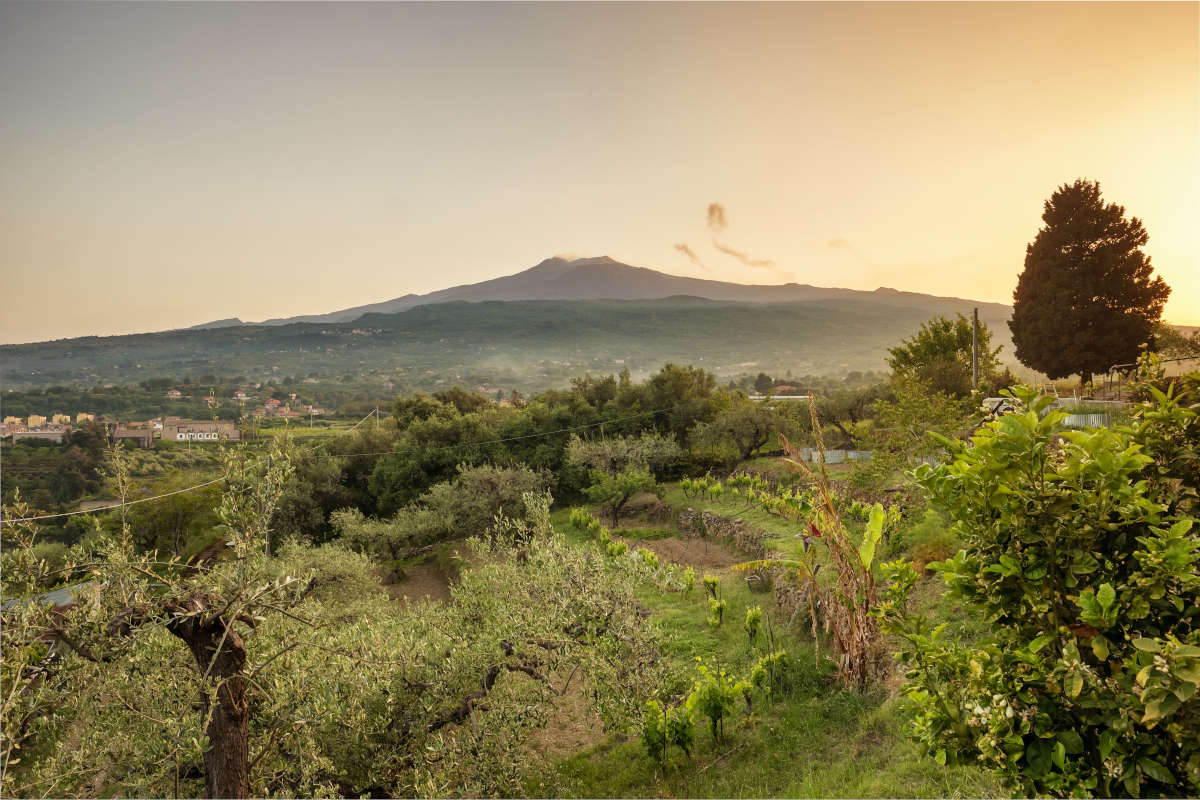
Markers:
<point>230,322</point>
<point>522,344</point>
<point>599,278</point>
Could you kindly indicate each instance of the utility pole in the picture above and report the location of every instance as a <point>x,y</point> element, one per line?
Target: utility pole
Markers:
<point>975,350</point>
<point>262,510</point>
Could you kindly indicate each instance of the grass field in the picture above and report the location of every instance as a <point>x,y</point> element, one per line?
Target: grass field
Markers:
<point>815,740</point>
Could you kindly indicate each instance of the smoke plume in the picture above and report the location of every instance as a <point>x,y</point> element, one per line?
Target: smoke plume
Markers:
<point>717,222</point>
<point>691,254</point>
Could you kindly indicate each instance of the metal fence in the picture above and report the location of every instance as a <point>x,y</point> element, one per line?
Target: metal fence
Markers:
<point>835,456</point>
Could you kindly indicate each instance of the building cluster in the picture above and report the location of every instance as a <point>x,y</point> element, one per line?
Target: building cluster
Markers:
<point>173,429</point>
<point>272,407</point>
<point>289,409</point>
<point>55,428</point>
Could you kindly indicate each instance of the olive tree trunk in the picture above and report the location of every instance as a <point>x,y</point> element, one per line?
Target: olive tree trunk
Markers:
<point>220,652</point>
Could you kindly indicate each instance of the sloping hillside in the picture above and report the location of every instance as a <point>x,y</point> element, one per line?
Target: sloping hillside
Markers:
<point>525,344</point>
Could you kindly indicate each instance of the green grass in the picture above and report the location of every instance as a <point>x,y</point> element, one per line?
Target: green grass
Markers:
<point>816,740</point>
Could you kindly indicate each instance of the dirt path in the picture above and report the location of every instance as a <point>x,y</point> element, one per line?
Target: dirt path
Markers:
<point>692,551</point>
<point>420,581</point>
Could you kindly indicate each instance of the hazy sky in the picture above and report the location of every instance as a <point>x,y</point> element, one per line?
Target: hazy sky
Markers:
<point>168,164</point>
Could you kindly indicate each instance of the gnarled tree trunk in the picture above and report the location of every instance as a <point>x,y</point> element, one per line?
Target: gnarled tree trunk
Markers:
<point>213,641</point>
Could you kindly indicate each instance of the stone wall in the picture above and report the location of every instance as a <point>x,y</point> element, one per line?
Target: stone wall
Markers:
<point>748,540</point>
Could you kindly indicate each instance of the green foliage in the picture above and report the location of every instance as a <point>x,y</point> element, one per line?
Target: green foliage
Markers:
<point>689,581</point>
<point>716,612</point>
<point>648,557</point>
<point>900,435</point>
<point>1087,297</point>
<point>928,540</point>
<point>54,475</point>
<point>617,549</point>
<point>753,622</point>
<point>654,731</point>
<point>772,672</point>
<point>712,585</point>
<point>580,518</point>
<point>316,489</point>
<point>740,430</point>
<point>1084,557</point>
<point>431,451</point>
<point>939,357</point>
<point>465,506</point>
<point>681,728</point>
<point>650,452</point>
<point>612,492</point>
<point>713,696</point>
<point>1174,343</point>
<point>353,693</point>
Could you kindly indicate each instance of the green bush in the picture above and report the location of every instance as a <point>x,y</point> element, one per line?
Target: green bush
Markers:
<point>681,729</point>
<point>753,622</point>
<point>654,731</point>
<point>929,540</point>
<point>713,696</point>
<point>1083,552</point>
<point>649,557</point>
<point>716,612</point>
<point>772,672</point>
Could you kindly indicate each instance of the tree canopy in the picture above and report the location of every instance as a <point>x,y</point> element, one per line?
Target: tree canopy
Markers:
<point>1087,298</point>
<point>940,355</point>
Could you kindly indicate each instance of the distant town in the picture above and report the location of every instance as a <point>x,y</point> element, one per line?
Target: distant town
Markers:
<point>57,427</point>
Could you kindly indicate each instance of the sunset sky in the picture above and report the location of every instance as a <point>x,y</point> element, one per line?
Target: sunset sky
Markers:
<point>168,164</point>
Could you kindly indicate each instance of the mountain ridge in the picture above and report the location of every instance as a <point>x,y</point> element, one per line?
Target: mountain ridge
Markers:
<point>596,278</point>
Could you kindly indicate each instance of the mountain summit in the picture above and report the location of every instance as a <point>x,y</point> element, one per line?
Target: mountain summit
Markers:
<point>596,278</point>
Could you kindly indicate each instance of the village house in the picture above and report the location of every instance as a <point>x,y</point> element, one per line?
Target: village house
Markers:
<point>36,421</point>
<point>60,419</point>
<point>190,430</point>
<point>82,417</point>
<point>141,433</point>
<point>174,394</point>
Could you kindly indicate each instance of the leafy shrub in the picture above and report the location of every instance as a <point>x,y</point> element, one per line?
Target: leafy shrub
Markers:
<point>772,672</point>
<point>1082,550</point>
<point>654,731</point>
<point>716,612</point>
<point>753,622</point>
<point>711,585</point>
<point>617,548</point>
<point>681,729</point>
<point>689,581</point>
<point>649,557</point>
<point>929,540</point>
<point>582,520</point>
<point>579,518</point>
<point>455,509</point>
<point>713,696</point>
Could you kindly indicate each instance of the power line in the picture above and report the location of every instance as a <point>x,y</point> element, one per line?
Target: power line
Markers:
<point>110,508</point>
<point>338,455</point>
<point>511,438</point>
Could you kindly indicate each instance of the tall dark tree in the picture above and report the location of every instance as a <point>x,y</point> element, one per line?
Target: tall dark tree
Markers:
<point>1088,296</point>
